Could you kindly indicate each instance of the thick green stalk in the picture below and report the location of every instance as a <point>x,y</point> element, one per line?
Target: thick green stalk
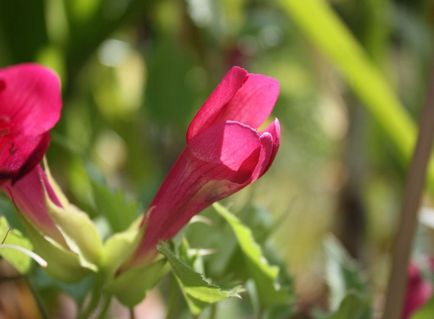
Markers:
<point>329,34</point>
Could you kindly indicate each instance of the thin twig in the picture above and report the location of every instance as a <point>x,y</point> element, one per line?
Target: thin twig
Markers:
<point>13,278</point>
<point>408,220</point>
<point>6,236</point>
<point>105,307</point>
<point>39,302</point>
<point>132,313</point>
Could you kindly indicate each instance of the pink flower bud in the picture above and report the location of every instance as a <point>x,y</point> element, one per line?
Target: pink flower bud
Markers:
<point>224,153</point>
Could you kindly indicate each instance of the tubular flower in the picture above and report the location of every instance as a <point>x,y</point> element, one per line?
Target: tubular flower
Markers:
<point>224,153</point>
<point>30,104</point>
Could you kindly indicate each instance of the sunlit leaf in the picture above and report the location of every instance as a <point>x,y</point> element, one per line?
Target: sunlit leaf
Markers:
<point>21,261</point>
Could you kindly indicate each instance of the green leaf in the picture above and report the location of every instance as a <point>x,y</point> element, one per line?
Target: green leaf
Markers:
<point>131,286</point>
<point>16,258</point>
<point>120,212</point>
<point>324,28</point>
<point>353,306</point>
<point>264,275</point>
<point>197,291</point>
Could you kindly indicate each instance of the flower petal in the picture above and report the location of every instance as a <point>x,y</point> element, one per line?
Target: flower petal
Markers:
<point>28,195</point>
<point>251,104</point>
<point>274,130</point>
<point>18,155</point>
<point>30,99</point>
<point>218,99</point>
<point>214,165</point>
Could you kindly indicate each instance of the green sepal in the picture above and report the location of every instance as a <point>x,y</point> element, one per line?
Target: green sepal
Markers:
<point>62,264</point>
<point>131,286</point>
<point>119,247</point>
<point>79,232</point>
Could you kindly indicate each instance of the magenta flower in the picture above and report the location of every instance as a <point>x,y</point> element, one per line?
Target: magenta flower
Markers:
<point>224,153</point>
<point>419,291</point>
<point>30,104</point>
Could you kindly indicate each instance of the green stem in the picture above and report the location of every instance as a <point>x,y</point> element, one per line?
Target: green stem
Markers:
<point>172,312</point>
<point>105,307</point>
<point>95,298</point>
<point>42,310</point>
<point>213,312</point>
<point>132,314</point>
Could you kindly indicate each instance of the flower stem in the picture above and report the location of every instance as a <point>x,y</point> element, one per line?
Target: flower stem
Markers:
<point>172,308</point>
<point>132,313</point>
<point>410,207</point>
<point>42,310</point>
<point>105,307</point>
<point>96,294</point>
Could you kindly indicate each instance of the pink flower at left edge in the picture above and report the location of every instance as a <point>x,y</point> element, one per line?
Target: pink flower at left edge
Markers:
<point>30,105</point>
<point>225,152</point>
<point>419,291</point>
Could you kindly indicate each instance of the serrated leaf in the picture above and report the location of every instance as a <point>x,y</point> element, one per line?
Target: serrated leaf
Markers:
<point>198,291</point>
<point>131,286</point>
<point>19,260</point>
<point>353,306</point>
<point>264,275</point>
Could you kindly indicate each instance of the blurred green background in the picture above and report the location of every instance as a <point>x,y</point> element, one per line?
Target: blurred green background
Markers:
<point>134,73</point>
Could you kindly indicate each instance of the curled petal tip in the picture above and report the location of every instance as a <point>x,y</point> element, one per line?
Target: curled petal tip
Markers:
<point>241,96</point>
